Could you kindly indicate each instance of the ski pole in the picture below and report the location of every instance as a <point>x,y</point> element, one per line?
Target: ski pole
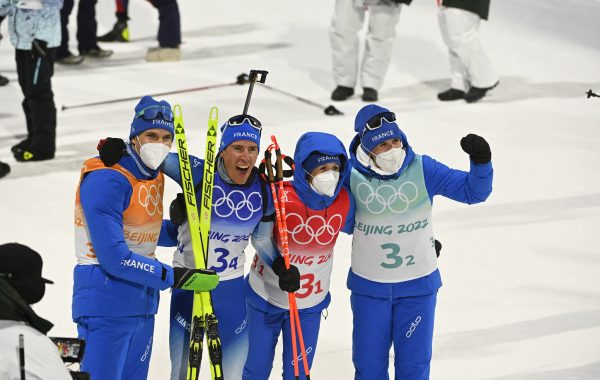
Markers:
<point>279,204</point>
<point>329,110</point>
<point>271,178</point>
<point>255,75</point>
<point>241,79</point>
<point>294,316</point>
<point>591,94</point>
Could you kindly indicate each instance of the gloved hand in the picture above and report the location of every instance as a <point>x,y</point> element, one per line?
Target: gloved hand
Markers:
<point>38,49</point>
<point>438,247</point>
<point>177,211</point>
<point>111,150</point>
<point>407,2</point>
<point>477,148</point>
<point>195,279</point>
<point>289,279</point>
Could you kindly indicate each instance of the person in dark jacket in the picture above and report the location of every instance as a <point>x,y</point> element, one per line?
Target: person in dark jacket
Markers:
<point>472,72</point>
<point>22,284</point>
<point>34,29</point>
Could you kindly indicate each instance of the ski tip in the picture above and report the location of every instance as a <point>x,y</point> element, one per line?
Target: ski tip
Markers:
<point>177,111</point>
<point>214,114</point>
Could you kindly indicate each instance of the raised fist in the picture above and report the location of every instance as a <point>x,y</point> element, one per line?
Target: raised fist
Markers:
<point>477,148</point>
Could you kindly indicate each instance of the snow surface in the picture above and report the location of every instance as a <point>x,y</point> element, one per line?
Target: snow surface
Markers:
<point>521,294</point>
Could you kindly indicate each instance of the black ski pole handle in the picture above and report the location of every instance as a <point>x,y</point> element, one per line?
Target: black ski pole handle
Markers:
<point>255,75</point>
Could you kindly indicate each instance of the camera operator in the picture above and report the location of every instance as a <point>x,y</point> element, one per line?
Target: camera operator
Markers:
<point>22,284</point>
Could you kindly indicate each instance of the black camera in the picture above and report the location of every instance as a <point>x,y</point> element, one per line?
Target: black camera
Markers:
<point>71,350</point>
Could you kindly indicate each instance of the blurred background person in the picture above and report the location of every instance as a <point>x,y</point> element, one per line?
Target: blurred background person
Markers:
<point>22,284</point>
<point>472,73</point>
<point>87,42</point>
<point>34,29</point>
<point>348,20</point>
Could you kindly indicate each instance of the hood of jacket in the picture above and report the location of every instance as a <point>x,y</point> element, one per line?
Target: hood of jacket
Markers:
<point>327,144</point>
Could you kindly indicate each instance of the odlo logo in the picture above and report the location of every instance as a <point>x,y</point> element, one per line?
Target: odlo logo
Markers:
<point>413,326</point>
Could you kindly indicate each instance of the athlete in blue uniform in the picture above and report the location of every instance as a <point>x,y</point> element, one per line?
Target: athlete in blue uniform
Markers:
<point>118,219</point>
<point>240,201</point>
<point>318,207</point>
<point>394,277</point>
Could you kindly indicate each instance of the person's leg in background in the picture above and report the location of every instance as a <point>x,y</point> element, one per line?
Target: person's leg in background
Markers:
<point>120,31</point>
<point>347,21</point>
<point>35,69</point>
<point>63,55</point>
<point>378,48</point>
<point>169,32</point>
<point>3,80</point>
<point>86,31</point>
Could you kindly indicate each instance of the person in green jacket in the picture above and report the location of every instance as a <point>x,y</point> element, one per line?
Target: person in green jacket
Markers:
<point>472,72</point>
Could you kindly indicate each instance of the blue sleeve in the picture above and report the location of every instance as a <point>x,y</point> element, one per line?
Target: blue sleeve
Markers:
<point>466,187</point>
<point>262,241</point>
<point>104,196</point>
<point>349,226</point>
<point>168,234</point>
<point>171,168</point>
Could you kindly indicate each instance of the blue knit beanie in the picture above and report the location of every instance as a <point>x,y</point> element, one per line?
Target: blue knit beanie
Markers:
<point>369,139</point>
<point>243,131</point>
<point>139,124</point>
<point>316,159</point>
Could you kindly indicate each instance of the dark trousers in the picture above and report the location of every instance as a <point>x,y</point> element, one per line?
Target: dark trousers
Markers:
<point>169,27</point>
<point>35,74</point>
<point>86,26</point>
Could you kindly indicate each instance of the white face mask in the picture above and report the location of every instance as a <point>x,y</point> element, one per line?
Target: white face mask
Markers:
<point>153,154</point>
<point>325,183</point>
<point>391,161</point>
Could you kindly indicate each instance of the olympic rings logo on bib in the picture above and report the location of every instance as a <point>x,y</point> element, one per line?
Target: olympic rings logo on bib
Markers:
<point>387,197</point>
<point>150,199</point>
<point>225,205</point>
<point>315,228</point>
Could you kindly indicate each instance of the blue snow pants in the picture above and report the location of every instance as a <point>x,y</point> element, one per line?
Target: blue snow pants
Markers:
<point>264,328</point>
<point>116,348</point>
<point>229,306</point>
<point>407,322</point>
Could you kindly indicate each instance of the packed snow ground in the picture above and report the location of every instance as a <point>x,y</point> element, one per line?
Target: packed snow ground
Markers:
<point>521,294</point>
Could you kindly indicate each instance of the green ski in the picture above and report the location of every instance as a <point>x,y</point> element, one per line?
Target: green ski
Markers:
<point>204,320</point>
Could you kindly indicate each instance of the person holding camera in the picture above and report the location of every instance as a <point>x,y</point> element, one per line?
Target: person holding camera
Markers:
<point>21,285</point>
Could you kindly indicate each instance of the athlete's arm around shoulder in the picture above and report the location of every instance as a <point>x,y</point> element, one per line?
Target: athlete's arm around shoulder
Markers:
<point>104,195</point>
<point>171,168</point>
<point>469,187</point>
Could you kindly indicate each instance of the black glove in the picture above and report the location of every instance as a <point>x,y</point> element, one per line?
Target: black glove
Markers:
<point>201,280</point>
<point>407,2</point>
<point>289,279</point>
<point>111,150</point>
<point>177,211</point>
<point>438,247</point>
<point>477,148</point>
<point>39,49</point>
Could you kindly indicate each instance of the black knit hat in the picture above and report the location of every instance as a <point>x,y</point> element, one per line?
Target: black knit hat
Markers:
<point>21,267</point>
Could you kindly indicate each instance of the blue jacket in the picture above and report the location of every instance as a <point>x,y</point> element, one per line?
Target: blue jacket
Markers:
<point>26,25</point>
<point>330,145</point>
<point>112,288</point>
<point>466,187</point>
